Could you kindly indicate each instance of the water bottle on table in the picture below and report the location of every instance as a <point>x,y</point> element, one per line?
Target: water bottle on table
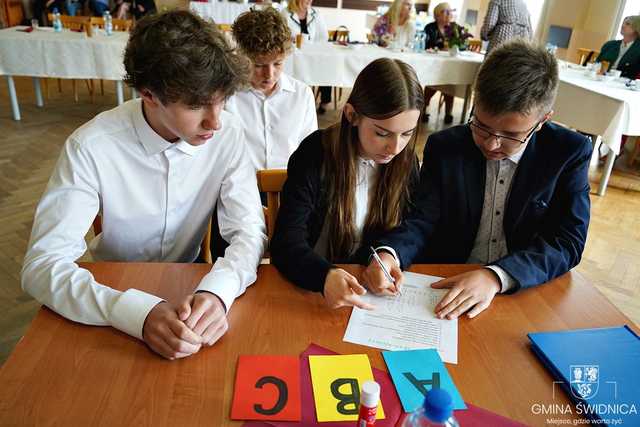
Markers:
<point>57,22</point>
<point>108,23</point>
<point>437,411</point>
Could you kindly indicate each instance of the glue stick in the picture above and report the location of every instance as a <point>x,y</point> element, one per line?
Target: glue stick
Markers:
<point>369,398</point>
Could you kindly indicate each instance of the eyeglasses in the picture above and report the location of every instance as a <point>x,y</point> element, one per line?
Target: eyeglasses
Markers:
<point>504,141</point>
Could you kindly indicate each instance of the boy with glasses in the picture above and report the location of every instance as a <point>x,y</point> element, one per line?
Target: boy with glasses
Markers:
<point>509,190</point>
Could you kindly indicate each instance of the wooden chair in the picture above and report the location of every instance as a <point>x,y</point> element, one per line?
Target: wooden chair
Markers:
<point>14,12</point>
<point>118,24</point>
<point>586,56</point>
<point>74,23</point>
<point>475,45</point>
<point>205,246</point>
<point>270,181</point>
<point>635,154</point>
<point>339,35</point>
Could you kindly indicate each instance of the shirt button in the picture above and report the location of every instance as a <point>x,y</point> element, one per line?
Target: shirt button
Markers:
<point>501,181</point>
<point>497,213</point>
<point>494,240</point>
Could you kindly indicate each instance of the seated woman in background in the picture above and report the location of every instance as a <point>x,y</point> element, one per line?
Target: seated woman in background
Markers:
<point>277,111</point>
<point>350,182</point>
<point>125,9</point>
<point>397,25</point>
<point>303,19</point>
<point>624,55</point>
<point>436,38</point>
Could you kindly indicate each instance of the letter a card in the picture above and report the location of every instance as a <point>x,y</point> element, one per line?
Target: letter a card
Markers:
<point>337,381</point>
<point>415,372</point>
<point>267,388</point>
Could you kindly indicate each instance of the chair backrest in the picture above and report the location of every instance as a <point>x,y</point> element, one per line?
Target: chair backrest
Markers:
<point>118,24</point>
<point>270,181</point>
<point>78,23</point>
<point>586,56</point>
<point>339,35</point>
<point>475,45</point>
<point>14,11</point>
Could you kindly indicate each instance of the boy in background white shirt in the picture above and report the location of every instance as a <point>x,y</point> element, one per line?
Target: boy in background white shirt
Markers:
<point>153,169</point>
<point>277,111</point>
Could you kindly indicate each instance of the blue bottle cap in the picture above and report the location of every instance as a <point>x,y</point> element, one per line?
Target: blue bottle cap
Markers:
<point>438,405</point>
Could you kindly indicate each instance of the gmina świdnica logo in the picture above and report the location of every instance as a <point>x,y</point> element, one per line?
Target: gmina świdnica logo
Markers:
<point>585,380</point>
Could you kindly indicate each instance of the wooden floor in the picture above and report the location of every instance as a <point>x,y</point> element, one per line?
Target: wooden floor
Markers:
<point>29,149</point>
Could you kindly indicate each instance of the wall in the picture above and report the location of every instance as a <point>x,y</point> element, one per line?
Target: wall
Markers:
<point>591,20</point>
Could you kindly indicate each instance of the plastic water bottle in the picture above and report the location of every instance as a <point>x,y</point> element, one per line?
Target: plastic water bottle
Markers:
<point>437,411</point>
<point>108,23</point>
<point>57,23</point>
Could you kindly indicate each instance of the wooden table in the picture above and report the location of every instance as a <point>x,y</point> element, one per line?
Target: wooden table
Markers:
<point>64,373</point>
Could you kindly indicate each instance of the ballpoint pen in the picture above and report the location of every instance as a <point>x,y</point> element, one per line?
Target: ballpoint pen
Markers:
<point>384,269</point>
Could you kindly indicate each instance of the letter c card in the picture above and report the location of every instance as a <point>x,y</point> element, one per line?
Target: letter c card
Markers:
<point>267,388</point>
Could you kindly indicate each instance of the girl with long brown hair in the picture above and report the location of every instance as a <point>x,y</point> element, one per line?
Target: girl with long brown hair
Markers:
<point>349,183</point>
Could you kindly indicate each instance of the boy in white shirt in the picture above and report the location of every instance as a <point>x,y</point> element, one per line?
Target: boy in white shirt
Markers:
<point>277,111</point>
<point>153,169</point>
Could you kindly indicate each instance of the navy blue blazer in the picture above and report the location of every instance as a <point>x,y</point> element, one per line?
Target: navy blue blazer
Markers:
<point>303,208</point>
<point>547,213</point>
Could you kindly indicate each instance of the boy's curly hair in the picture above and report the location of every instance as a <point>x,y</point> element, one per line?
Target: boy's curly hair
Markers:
<point>178,56</point>
<point>262,32</point>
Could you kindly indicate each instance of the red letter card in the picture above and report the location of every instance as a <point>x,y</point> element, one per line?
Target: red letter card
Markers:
<point>267,388</point>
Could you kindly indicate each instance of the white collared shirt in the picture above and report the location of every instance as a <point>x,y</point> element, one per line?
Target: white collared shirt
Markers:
<point>365,188</point>
<point>275,125</point>
<point>315,25</point>
<point>155,199</point>
<point>624,47</point>
<point>491,242</point>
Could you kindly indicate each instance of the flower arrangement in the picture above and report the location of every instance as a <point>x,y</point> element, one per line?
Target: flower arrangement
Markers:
<point>456,35</point>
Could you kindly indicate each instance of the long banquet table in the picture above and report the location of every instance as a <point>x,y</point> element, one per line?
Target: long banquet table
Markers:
<point>608,109</point>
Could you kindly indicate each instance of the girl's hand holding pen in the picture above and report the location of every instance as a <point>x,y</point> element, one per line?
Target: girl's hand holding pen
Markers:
<point>376,279</point>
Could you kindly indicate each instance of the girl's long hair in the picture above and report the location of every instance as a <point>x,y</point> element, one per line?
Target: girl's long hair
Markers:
<point>385,88</point>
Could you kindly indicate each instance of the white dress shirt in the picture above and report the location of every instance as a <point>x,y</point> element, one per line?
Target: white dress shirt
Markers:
<point>155,199</point>
<point>624,47</point>
<point>491,242</point>
<point>315,25</point>
<point>365,188</point>
<point>275,125</point>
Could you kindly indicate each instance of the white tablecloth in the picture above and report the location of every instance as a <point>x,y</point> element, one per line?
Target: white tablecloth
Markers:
<point>327,64</point>
<point>608,109</point>
<point>221,12</point>
<point>68,54</point>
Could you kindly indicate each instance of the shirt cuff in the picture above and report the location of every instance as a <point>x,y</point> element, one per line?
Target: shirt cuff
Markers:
<point>223,284</point>
<point>131,310</point>
<point>389,250</point>
<point>506,281</point>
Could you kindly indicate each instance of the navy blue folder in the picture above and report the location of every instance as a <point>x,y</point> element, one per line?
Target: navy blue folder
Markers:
<point>598,368</point>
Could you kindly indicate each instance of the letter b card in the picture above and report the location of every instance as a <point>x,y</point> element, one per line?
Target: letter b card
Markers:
<point>267,388</point>
<point>336,386</point>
